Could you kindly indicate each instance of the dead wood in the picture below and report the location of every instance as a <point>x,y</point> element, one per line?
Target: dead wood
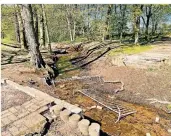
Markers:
<point>154,100</point>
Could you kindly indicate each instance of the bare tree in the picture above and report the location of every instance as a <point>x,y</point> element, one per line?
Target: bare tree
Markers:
<point>136,21</point>
<point>36,57</point>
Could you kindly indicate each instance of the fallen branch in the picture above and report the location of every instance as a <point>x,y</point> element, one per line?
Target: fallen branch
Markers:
<point>153,100</point>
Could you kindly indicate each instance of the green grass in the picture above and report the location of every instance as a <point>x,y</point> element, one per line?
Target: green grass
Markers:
<point>130,50</point>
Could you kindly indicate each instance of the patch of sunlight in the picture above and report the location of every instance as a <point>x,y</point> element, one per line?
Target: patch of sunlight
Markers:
<point>130,50</point>
<point>8,41</point>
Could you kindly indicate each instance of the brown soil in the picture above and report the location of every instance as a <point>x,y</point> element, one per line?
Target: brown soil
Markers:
<point>139,85</point>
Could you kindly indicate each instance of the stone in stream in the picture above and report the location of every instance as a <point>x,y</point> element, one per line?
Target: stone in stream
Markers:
<point>83,126</point>
<point>94,129</point>
<point>64,115</point>
<point>73,120</point>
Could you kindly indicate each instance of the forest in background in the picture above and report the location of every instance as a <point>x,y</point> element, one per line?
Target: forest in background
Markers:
<point>136,24</point>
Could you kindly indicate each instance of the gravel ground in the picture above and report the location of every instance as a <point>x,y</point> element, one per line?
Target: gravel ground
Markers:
<point>11,97</point>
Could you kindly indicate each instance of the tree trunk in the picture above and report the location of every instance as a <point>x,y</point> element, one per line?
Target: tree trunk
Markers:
<point>46,28</point>
<point>22,30</point>
<point>148,15</point>
<point>74,31</point>
<point>136,27</point>
<point>36,25</point>
<point>17,29</point>
<point>42,30</point>
<point>69,27</point>
<point>36,57</point>
<point>109,13</point>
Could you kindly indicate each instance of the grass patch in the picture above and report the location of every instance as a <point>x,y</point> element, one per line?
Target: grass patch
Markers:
<point>130,50</point>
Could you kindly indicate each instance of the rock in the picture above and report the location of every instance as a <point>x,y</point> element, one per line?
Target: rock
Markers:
<point>76,105</point>
<point>148,134</point>
<point>94,129</point>
<point>99,107</point>
<point>73,120</point>
<point>62,86</point>
<point>157,119</point>
<point>84,110</point>
<point>83,126</point>
<point>169,130</point>
<point>64,115</point>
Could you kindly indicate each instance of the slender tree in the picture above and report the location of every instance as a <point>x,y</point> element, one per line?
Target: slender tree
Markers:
<point>42,29</point>
<point>136,21</point>
<point>17,29</point>
<point>36,57</point>
<point>148,15</point>
<point>36,24</point>
<point>108,18</point>
<point>22,29</point>
<point>46,28</point>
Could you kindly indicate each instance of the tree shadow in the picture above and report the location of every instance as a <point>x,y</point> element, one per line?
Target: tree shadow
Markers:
<point>102,133</point>
<point>90,51</point>
<point>9,45</point>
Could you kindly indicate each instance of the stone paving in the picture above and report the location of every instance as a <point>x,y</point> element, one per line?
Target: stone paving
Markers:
<point>25,118</point>
<point>12,97</point>
<point>22,118</point>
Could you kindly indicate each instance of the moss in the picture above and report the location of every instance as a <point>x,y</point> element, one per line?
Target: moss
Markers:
<point>130,50</point>
<point>169,106</point>
<point>65,66</point>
